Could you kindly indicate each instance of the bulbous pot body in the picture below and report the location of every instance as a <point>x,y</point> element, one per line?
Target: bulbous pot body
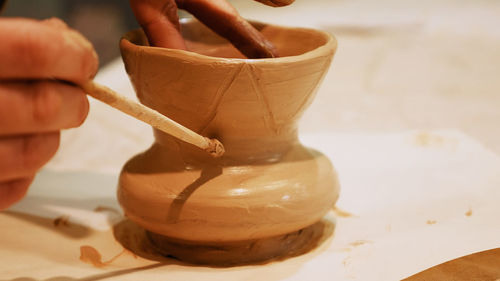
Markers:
<point>266,184</point>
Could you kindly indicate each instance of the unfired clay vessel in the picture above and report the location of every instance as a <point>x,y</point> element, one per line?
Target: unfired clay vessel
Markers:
<point>267,184</point>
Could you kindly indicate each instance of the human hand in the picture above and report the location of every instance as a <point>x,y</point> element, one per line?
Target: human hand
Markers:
<point>160,22</point>
<point>41,64</point>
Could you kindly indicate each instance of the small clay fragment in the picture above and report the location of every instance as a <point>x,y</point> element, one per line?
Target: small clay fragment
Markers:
<point>61,221</point>
<point>91,256</point>
<point>341,213</point>
<point>216,149</point>
<point>106,209</point>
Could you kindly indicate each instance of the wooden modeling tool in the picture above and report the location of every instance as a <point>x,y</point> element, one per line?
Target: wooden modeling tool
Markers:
<point>152,117</point>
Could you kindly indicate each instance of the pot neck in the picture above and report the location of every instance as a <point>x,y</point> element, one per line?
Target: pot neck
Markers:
<point>239,150</point>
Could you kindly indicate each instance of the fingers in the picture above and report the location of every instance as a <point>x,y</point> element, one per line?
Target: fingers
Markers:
<point>276,3</point>
<point>160,22</point>
<point>222,18</point>
<point>40,106</point>
<point>56,23</point>
<point>13,191</point>
<point>22,156</point>
<point>35,57</point>
<point>33,50</point>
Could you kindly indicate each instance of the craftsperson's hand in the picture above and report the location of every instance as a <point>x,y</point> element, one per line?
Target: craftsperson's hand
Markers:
<point>40,64</point>
<point>160,22</point>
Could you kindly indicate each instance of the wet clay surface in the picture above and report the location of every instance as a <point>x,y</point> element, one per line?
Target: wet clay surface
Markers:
<point>260,251</point>
<point>266,184</point>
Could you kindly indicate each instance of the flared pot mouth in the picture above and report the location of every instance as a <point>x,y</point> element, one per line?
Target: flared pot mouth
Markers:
<point>293,44</point>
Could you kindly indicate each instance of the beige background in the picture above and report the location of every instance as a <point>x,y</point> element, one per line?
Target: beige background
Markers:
<point>400,65</point>
<point>404,64</point>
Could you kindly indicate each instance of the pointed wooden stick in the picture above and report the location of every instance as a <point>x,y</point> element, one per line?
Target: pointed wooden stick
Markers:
<point>152,117</point>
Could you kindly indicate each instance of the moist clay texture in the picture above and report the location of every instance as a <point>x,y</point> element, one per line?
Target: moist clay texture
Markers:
<point>266,184</point>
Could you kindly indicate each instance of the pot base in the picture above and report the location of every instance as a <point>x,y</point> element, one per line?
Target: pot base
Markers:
<point>243,252</point>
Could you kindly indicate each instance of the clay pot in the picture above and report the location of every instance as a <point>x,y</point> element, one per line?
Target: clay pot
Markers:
<point>267,184</point>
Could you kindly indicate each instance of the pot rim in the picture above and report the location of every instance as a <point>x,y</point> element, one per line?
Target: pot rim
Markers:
<point>330,46</point>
